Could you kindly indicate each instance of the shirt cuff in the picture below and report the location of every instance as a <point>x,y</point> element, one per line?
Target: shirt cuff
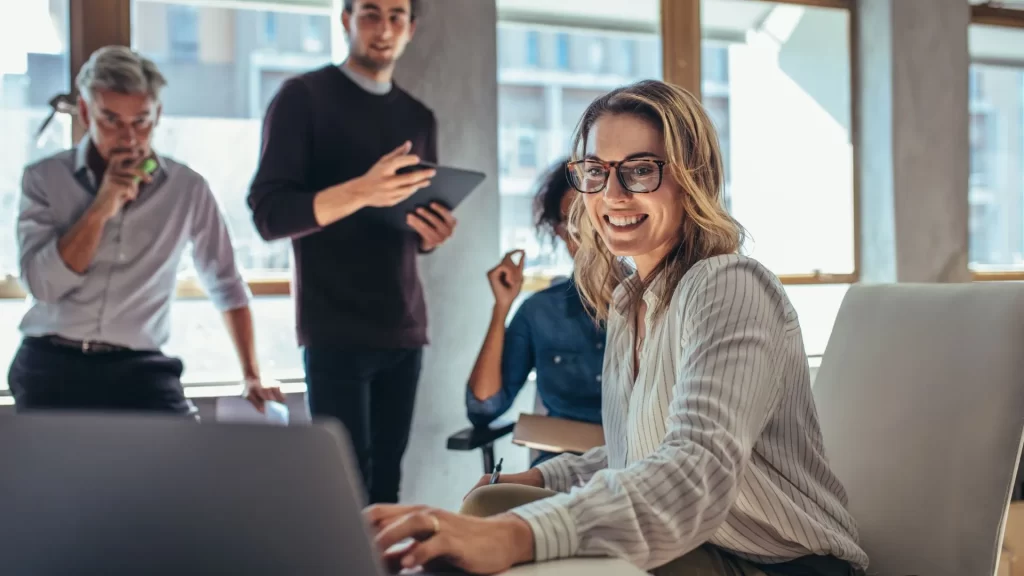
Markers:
<point>230,296</point>
<point>554,530</point>
<point>557,474</point>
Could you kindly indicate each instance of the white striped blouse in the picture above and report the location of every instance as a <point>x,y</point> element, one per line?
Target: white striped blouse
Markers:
<point>716,442</point>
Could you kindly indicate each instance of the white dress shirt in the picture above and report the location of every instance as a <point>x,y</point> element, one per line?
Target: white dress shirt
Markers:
<point>125,296</point>
<point>716,442</point>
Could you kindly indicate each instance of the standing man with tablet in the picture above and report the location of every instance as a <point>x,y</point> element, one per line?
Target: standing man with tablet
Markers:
<point>334,141</point>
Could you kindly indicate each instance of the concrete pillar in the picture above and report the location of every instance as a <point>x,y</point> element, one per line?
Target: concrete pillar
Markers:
<point>451,65</point>
<point>912,65</point>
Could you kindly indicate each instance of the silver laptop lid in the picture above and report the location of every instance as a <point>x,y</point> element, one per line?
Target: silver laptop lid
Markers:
<point>113,495</point>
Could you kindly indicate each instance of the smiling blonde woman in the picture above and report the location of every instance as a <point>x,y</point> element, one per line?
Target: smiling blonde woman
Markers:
<point>714,462</point>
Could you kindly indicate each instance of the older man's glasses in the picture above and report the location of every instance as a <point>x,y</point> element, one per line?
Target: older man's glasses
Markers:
<point>138,126</point>
<point>639,176</point>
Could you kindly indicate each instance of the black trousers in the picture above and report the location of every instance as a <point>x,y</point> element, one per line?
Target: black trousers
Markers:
<point>372,393</point>
<point>47,376</point>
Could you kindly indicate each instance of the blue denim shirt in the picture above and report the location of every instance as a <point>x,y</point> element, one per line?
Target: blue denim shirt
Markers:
<point>553,333</point>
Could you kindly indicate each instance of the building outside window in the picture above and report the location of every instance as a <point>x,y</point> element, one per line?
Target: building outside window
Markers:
<point>183,31</point>
<point>532,48</point>
<point>996,132</point>
<point>562,51</point>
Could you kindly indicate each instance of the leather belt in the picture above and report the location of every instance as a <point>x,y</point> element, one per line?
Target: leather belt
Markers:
<point>84,346</point>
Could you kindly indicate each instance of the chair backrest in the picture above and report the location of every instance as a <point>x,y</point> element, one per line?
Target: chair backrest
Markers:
<point>921,400</point>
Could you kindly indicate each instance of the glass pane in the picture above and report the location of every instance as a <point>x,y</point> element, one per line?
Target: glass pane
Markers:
<point>996,185</point>
<point>776,82</point>
<point>198,337</point>
<point>776,79</point>
<point>240,57</point>
<point>548,73</point>
<point>33,68</point>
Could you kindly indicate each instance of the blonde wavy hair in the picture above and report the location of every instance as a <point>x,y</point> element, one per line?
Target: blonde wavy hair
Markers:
<point>694,161</point>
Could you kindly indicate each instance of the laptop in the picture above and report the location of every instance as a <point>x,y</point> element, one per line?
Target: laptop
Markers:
<point>130,495</point>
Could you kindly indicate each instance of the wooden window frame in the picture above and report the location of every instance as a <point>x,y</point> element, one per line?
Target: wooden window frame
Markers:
<point>991,14</point>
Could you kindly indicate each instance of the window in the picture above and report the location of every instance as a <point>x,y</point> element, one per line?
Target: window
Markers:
<point>315,31</point>
<point>269,28</point>
<point>626,48</point>
<point>776,82</point>
<point>715,97</point>
<point>532,48</point>
<point>538,110</point>
<point>527,152</point>
<point>243,57</point>
<point>996,186</point>
<point>596,54</point>
<point>982,134</point>
<point>562,51</point>
<point>34,36</point>
<point>183,33</point>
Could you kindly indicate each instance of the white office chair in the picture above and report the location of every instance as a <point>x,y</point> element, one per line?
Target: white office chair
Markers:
<point>921,400</point>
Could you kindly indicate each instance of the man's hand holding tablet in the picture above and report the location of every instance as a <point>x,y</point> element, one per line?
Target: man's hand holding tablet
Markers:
<point>386,184</point>
<point>434,225</point>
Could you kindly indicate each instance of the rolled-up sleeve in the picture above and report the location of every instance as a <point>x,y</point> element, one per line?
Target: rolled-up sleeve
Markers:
<point>44,274</point>
<point>214,255</point>
<point>674,500</point>
<point>517,360</point>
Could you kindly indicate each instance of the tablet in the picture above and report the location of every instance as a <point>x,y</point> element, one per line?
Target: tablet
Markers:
<point>449,187</point>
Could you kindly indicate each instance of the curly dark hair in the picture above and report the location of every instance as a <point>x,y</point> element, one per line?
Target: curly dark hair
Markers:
<point>414,8</point>
<point>547,204</point>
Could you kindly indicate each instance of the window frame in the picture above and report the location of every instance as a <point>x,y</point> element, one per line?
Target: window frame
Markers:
<point>990,15</point>
<point>682,38</point>
<point>109,22</point>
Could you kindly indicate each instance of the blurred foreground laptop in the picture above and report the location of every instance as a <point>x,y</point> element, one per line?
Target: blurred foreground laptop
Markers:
<point>129,495</point>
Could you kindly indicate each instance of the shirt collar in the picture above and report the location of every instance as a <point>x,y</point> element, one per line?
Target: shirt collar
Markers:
<point>621,296</point>
<point>370,85</point>
<point>81,154</point>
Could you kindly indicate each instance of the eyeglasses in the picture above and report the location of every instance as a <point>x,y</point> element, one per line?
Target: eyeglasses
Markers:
<point>639,176</point>
<point>139,126</point>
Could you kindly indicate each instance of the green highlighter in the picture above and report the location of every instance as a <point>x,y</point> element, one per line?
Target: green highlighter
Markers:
<point>148,166</point>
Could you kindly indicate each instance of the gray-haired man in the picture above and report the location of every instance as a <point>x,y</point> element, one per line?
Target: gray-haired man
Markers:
<point>100,238</point>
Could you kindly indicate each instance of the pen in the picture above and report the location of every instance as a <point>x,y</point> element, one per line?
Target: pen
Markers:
<point>497,471</point>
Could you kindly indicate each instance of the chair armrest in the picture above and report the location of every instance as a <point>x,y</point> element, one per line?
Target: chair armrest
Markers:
<point>472,438</point>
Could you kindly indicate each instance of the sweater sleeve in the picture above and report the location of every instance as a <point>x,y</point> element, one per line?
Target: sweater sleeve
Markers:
<point>281,196</point>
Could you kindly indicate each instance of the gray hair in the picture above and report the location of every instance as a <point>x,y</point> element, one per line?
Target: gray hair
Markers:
<point>119,69</point>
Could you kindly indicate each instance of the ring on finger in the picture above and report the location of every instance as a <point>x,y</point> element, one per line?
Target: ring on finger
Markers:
<point>435,522</point>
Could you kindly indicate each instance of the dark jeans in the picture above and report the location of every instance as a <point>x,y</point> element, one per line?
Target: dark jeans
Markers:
<point>47,376</point>
<point>372,392</point>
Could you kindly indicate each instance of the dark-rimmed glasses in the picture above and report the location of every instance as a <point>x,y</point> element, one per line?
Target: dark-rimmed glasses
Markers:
<point>638,176</point>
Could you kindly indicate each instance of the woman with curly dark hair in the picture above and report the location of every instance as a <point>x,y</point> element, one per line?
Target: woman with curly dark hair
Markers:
<point>550,332</point>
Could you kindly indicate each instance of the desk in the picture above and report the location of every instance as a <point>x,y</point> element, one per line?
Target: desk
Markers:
<point>578,567</point>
